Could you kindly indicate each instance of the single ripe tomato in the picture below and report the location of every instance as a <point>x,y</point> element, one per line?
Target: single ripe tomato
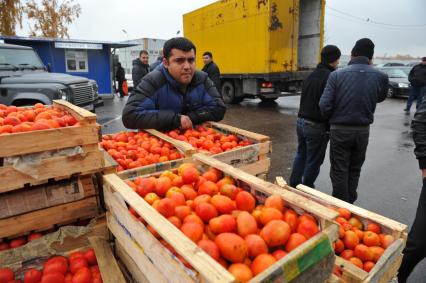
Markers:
<point>90,257</point>
<point>77,263</point>
<point>6,275</point>
<point>53,278</point>
<point>18,242</point>
<point>55,267</point>
<point>83,275</point>
<point>32,275</point>
<point>33,236</point>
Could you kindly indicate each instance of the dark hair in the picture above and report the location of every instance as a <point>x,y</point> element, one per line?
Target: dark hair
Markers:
<point>424,59</point>
<point>143,52</point>
<point>208,53</point>
<point>180,43</point>
<point>119,64</point>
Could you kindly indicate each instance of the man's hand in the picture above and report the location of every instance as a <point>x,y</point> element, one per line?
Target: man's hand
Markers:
<point>185,122</point>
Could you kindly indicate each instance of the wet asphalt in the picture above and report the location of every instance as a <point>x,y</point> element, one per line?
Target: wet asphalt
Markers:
<point>390,181</point>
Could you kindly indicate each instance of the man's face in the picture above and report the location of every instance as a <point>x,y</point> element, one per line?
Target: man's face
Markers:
<point>181,65</point>
<point>206,59</point>
<point>144,58</point>
<point>423,62</point>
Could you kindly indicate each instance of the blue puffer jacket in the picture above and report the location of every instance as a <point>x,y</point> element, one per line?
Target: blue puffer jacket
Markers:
<point>351,93</point>
<point>158,102</point>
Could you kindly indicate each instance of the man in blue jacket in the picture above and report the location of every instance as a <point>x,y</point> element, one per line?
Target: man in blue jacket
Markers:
<point>174,95</point>
<point>349,101</point>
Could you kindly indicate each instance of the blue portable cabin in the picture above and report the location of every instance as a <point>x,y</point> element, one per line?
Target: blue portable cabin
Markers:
<point>85,58</point>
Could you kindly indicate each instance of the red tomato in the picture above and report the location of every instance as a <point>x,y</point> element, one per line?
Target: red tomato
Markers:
<point>75,255</point>
<point>83,275</point>
<point>33,236</point>
<point>53,278</point>
<point>90,257</point>
<point>4,246</point>
<point>55,267</point>
<point>6,275</point>
<point>18,242</point>
<point>32,276</point>
<point>58,258</point>
<point>77,263</point>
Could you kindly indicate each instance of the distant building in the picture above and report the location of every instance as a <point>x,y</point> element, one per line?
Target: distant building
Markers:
<point>128,54</point>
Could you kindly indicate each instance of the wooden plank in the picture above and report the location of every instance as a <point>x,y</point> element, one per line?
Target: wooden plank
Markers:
<point>184,147</point>
<point>108,266</point>
<point>39,219</point>
<point>207,266</point>
<point>259,167</point>
<point>110,165</point>
<point>137,235</point>
<point>51,139</point>
<point>269,188</point>
<point>244,155</point>
<point>131,266</point>
<point>133,256</point>
<point>251,135</point>
<point>81,114</point>
<point>150,169</point>
<point>51,168</point>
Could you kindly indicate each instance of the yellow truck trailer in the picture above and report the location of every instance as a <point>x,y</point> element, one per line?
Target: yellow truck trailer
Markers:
<point>264,48</point>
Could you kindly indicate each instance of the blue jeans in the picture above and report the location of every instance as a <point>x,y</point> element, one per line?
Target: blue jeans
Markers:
<point>416,93</point>
<point>313,139</point>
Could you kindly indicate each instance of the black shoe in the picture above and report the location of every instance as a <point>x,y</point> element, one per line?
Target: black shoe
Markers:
<point>407,110</point>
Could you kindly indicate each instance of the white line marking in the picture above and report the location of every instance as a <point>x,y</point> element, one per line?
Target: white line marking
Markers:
<point>110,121</point>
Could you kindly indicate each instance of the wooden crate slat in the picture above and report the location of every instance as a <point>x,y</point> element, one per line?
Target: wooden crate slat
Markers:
<point>110,271</point>
<point>47,217</point>
<point>54,167</point>
<point>81,114</point>
<point>51,139</point>
<point>245,155</point>
<point>251,135</point>
<point>126,262</point>
<point>207,266</point>
<point>150,169</point>
<point>259,167</point>
<point>122,223</point>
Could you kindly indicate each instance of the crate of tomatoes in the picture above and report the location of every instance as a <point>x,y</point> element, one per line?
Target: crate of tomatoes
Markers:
<point>209,221</point>
<point>46,142</point>
<point>369,248</point>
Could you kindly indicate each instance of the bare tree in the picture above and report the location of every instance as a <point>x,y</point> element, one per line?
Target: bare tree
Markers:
<point>10,16</point>
<point>51,19</point>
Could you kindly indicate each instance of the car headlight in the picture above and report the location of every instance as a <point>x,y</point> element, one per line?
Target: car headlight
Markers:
<point>63,94</point>
<point>403,85</point>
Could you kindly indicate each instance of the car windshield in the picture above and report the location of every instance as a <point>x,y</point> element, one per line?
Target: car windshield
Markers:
<point>19,58</point>
<point>395,73</point>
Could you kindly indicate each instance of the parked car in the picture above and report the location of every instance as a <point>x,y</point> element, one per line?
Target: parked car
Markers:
<point>24,80</point>
<point>398,81</point>
<point>406,69</point>
<point>412,64</point>
<point>390,64</point>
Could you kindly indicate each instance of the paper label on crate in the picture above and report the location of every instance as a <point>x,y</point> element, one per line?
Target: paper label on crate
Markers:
<point>240,156</point>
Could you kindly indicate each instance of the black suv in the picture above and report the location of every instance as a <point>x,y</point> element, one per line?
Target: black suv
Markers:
<point>24,80</point>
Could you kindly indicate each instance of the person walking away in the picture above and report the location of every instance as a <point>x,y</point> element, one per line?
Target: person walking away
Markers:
<point>175,95</point>
<point>415,250</point>
<point>120,78</point>
<point>211,69</point>
<point>158,61</point>
<point>311,128</point>
<point>140,68</point>
<point>417,79</point>
<point>349,101</point>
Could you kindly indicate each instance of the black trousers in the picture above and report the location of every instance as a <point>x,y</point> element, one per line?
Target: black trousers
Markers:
<point>415,250</point>
<point>347,155</point>
<point>120,88</point>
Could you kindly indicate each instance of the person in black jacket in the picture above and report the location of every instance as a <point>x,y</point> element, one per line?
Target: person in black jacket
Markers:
<point>211,69</point>
<point>349,101</point>
<point>417,78</point>
<point>120,78</point>
<point>140,67</point>
<point>312,128</point>
<point>174,95</point>
<point>415,250</point>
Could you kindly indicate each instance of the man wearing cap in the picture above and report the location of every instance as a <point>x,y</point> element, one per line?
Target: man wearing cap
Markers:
<point>349,101</point>
<point>417,79</point>
<point>312,128</point>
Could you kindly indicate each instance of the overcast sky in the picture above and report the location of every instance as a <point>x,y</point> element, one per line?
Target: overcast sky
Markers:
<point>395,26</point>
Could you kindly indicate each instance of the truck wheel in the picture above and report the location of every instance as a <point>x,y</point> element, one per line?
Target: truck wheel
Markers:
<point>268,99</point>
<point>228,93</point>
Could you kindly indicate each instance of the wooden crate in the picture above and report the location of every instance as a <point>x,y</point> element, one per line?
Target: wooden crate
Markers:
<point>256,154</point>
<point>70,239</point>
<point>46,218</point>
<point>310,262</point>
<point>86,136</point>
<point>387,267</point>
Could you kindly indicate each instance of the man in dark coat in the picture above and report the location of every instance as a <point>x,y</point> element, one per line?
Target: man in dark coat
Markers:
<point>211,69</point>
<point>312,128</point>
<point>349,101</point>
<point>158,62</point>
<point>120,78</point>
<point>175,95</point>
<point>140,67</point>
<point>415,250</point>
<point>417,79</point>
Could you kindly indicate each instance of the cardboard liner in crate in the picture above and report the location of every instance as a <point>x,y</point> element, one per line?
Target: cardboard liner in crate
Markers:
<point>313,260</point>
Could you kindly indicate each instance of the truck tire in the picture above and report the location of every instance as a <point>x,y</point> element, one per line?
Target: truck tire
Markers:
<point>228,93</point>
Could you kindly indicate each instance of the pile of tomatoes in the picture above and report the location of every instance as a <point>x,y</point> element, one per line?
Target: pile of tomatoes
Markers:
<point>78,267</point>
<point>208,139</point>
<point>27,119</point>
<point>20,241</point>
<point>137,149</point>
<point>223,219</point>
